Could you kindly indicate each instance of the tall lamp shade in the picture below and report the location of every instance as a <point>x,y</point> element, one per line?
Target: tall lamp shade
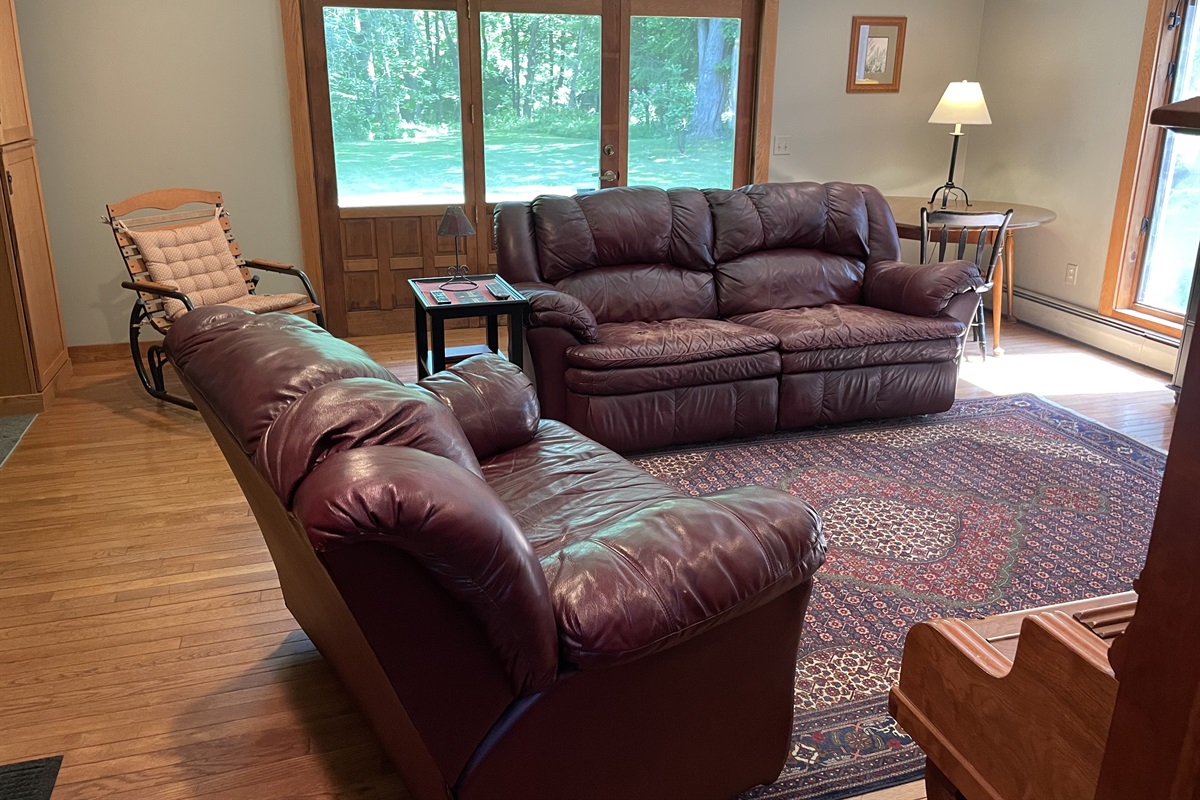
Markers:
<point>962,104</point>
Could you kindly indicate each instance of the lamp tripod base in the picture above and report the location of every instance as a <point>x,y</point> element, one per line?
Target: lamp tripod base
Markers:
<point>458,282</point>
<point>947,190</point>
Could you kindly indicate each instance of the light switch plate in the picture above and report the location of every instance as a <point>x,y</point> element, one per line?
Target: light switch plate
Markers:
<point>783,146</point>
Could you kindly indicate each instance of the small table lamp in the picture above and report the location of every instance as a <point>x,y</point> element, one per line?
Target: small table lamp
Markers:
<point>455,223</point>
<point>961,104</point>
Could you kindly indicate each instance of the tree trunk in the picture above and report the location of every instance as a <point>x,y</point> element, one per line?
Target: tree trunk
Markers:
<point>531,65</point>
<point>710,84</point>
<point>576,67</point>
<point>516,64</point>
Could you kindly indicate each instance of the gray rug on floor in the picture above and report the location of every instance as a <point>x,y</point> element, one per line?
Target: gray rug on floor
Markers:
<point>29,780</point>
<point>11,431</point>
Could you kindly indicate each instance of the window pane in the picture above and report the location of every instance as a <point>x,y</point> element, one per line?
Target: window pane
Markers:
<point>395,100</point>
<point>682,101</point>
<point>541,104</point>
<point>1175,222</point>
<point>1175,230</point>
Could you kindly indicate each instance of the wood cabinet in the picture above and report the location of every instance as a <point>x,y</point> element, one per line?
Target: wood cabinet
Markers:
<point>33,346</point>
<point>14,103</point>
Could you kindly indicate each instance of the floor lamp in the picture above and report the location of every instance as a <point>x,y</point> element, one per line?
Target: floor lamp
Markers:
<point>961,104</point>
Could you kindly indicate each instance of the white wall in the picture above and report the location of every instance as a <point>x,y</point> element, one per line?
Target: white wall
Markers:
<point>1059,79</point>
<point>883,139</point>
<point>133,95</point>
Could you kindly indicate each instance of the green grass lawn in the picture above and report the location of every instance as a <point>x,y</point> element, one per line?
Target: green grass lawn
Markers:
<point>519,166</point>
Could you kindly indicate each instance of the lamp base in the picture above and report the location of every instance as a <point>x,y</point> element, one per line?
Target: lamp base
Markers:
<point>459,283</point>
<point>947,190</point>
<point>458,280</point>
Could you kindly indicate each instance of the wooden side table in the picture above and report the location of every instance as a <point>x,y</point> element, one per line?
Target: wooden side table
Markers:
<point>907,211</point>
<point>433,356</point>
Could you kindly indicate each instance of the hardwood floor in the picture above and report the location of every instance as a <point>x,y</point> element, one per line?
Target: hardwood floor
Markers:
<point>142,632</point>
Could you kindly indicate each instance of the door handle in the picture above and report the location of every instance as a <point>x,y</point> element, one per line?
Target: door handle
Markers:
<point>608,175</point>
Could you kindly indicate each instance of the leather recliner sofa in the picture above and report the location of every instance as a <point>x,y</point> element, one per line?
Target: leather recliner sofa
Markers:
<point>520,612</point>
<point>666,317</point>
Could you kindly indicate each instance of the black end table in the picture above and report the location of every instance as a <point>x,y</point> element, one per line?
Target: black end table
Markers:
<point>475,302</point>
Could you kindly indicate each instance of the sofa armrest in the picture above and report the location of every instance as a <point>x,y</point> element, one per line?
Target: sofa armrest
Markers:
<point>451,523</point>
<point>676,568</point>
<point>492,399</point>
<point>549,307</point>
<point>922,291</point>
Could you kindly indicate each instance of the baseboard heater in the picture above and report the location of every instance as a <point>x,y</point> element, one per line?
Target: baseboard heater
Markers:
<point>1092,316</point>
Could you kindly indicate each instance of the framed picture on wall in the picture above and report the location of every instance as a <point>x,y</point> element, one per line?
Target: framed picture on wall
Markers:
<point>876,54</point>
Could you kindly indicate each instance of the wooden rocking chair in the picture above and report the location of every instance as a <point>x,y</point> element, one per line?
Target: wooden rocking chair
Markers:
<point>185,259</point>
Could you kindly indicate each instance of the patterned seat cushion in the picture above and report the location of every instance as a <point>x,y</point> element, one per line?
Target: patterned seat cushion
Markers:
<point>194,259</point>
<point>260,303</point>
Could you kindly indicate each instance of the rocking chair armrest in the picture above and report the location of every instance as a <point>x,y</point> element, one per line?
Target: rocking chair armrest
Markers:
<point>285,269</point>
<point>272,266</point>
<point>160,289</point>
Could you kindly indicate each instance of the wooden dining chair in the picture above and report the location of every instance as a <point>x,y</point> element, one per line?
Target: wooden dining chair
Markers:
<point>185,259</point>
<point>985,230</point>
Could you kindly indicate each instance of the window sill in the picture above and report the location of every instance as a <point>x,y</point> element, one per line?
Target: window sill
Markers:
<point>1145,321</point>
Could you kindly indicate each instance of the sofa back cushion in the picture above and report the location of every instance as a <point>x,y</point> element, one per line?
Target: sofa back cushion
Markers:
<point>492,400</point>
<point>629,253</point>
<point>352,413</point>
<point>250,367</point>
<point>794,245</point>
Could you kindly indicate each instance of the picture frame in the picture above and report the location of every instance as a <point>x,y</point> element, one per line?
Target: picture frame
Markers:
<point>876,54</point>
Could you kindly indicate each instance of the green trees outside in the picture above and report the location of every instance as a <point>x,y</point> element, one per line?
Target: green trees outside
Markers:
<point>396,100</point>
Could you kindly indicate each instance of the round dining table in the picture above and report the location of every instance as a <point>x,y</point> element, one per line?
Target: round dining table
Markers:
<point>907,211</point>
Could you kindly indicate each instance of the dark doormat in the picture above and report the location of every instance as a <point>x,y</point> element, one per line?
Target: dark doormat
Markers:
<point>11,431</point>
<point>29,780</point>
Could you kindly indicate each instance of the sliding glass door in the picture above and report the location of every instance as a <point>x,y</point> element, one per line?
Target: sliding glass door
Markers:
<point>683,76</point>
<point>420,105</point>
<point>396,106</point>
<point>541,103</point>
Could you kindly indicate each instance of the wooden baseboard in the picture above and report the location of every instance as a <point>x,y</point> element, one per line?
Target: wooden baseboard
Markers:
<point>38,402</point>
<point>96,353</point>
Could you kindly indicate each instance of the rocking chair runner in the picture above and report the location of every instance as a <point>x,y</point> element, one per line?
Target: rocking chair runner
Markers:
<point>181,260</point>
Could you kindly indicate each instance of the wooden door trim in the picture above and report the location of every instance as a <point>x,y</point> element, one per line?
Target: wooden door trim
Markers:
<point>768,40</point>
<point>566,7</point>
<point>470,49</point>
<point>302,144</point>
<point>324,172</point>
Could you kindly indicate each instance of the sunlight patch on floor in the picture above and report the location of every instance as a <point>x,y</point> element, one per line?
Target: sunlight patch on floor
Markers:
<point>1055,374</point>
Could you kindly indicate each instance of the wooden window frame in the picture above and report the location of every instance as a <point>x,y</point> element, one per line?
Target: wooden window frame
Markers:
<point>1139,179</point>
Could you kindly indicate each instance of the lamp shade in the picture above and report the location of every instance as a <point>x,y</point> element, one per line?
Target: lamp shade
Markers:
<point>962,104</point>
<point>455,223</point>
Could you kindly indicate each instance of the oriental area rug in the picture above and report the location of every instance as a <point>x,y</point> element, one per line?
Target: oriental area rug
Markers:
<point>1000,504</point>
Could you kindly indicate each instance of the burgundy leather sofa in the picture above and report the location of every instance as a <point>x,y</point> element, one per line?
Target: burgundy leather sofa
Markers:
<point>663,317</point>
<point>519,611</point>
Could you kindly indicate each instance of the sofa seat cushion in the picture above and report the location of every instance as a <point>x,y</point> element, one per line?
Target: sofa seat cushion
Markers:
<point>561,486</point>
<point>846,336</point>
<point>731,369</point>
<point>611,540</point>
<point>622,345</point>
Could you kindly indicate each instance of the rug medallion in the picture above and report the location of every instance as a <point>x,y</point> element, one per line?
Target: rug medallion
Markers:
<point>997,505</point>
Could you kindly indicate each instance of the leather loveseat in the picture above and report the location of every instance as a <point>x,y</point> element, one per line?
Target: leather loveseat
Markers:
<point>519,611</point>
<point>664,317</point>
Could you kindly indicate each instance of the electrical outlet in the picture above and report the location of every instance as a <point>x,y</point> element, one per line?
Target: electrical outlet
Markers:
<point>783,146</point>
<point>1072,274</point>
